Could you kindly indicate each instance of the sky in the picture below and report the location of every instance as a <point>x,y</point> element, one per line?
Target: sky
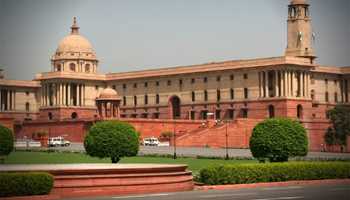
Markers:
<point>130,35</point>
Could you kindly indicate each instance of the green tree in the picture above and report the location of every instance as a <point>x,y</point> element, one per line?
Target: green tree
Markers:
<point>277,139</point>
<point>6,142</point>
<point>340,129</point>
<point>113,139</point>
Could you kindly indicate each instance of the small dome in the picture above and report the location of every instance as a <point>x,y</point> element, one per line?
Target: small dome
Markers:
<point>299,2</point>
<point>109,93</point>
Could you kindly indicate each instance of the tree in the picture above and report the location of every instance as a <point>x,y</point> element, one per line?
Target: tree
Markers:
<point>340,129</point>
<point>167,135</point>
<point>113,139</point>
<point>277,139</point>
<point>6,142</point>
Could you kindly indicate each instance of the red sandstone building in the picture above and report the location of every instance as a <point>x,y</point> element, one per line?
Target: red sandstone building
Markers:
<point>69,98</point>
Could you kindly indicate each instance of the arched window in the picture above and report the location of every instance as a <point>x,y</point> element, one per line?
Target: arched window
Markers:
<point>72,67</point>
<point>271,111</point>
<point>27,107</point>
<point>300,112</point>
<point>87,68</point>
<point>74,115</point>
<point>58,68</point>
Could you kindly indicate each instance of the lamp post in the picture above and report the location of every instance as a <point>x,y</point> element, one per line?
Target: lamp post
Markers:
<point>226,157</point>
<point>174,136</point>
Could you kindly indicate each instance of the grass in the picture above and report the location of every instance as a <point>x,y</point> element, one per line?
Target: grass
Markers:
<point>194,164</point>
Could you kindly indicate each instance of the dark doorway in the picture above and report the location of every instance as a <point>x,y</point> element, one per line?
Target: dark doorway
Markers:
<point>175,107</point>
<point>271,111</point>
<point>300,112</point>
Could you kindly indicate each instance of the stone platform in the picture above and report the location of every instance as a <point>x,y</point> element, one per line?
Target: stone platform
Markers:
<point>79,180</point>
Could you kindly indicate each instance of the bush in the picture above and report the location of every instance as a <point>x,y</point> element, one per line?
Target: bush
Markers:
<point>114,139</point>
<point>6,141</point>
<point>273,172</point>
<point>19,184</point>
<point>278,139</point>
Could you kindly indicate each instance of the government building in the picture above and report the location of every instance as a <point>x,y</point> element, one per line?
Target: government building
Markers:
<point>73,93</point>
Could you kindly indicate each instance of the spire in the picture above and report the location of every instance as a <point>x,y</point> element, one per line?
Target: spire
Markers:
<point>75,27</point>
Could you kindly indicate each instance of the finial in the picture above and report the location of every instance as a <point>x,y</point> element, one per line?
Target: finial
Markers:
<point>75,27</point>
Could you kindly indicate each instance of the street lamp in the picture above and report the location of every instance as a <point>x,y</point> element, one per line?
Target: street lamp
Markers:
<point>174,136</point>
<point>226,157</point>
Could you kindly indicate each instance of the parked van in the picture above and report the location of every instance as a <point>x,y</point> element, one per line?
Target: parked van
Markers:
<point>152,141</point>
<point>58,141</point>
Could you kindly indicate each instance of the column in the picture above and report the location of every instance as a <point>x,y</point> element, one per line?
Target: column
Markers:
<point>305,85</point>
<point>84,95</point>
<point>260,85</point>
<point>276,84</point>
<point>14,100</point>
<point>68,94</point>
<point>64,96</point>
<point>54,94</point>
<point>47,94</point>
<point>8,100</point>
<point>0,99</point>
<point>266,83</point>
<point>283,83</point>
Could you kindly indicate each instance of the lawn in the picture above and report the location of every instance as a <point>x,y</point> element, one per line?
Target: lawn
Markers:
<point>194,164</point>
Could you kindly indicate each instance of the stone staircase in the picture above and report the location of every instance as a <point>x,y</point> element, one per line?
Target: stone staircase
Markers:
<point>238,134</point>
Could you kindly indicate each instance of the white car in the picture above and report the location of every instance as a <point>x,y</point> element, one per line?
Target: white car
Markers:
<point>152,141</point>
<point>58,141</point>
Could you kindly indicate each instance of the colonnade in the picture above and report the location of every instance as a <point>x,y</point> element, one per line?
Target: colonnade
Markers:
<point>7,99</point>
<point>63,94</point>
<point>284,83</point>
<point>108,109</point>
<point>344,90</point>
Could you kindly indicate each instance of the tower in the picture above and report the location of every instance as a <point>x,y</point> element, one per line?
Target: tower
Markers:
<point>300,36</point>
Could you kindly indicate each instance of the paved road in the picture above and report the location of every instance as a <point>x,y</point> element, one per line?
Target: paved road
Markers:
<point>325,192</point>
<point>192,152</point>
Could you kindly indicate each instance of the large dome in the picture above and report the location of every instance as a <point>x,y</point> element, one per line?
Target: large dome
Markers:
<point>75,43</point>
<point>109,93</point>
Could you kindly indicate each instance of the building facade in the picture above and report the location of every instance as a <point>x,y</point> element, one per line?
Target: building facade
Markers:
<point>292,85</point>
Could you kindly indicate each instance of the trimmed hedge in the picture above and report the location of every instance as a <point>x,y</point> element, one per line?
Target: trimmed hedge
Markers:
<point>6,141</point>
<point>21,184</point>
<point>273,172</point>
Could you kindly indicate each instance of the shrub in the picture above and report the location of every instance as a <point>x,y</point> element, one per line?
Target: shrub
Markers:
<point>114,139</point>
<point>6,141</point>
<point>278,139</point>
<point>273,172</point>
<point>19,184</point>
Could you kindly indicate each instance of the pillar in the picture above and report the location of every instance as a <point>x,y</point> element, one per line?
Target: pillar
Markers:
<point>266,84</point>
<point>78,94</point>
<point>14,100</point>
<point>260,93</point>
<point>84,95</point>
<point>0,99</point>
<point>64,94</point>
<point>68,94</point>
<point>283,83</point>
<point>276,84</point>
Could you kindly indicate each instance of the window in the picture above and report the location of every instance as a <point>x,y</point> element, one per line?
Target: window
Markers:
<point>218,78</point>
<point>193,115</point>
<point>218,95</point>
<point>245,76</point>
<point>193,96</point>
<point>244,113</point>
<point>146,84</point>
<point>193,81</point>
<point>135,100</point>
<point>232,77</point>
<point>74,115</point>
<point>50,116</point>
<point>146,99</point>
<point>246,93</point>
<point>300,112</point>
<point>96,87</point>
<point>271,111</point>
<point>232,94</point>
<point>326,81</point>
<point>27,93</point>
<point>157,83</point>
<point>114,87</point>
<point>169,83</point>
<point>87,68</point>
<point>124,86</point>
<point>58,68</point>
<point>124,101</point>
<point>313,94</point>
<point>205,79</point>
<point>205,95</point>
<point>335,97</point>
<point>72,67</point>
<point>135,85</point>
<point>326,97</point>
<point>335,82</point>
<point>157,99</point>
<point>231,114</point>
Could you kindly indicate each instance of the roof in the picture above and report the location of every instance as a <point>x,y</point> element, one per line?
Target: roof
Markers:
<point>19,83</point>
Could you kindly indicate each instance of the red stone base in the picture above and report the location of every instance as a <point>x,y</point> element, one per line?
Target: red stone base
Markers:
<point>86,180</point>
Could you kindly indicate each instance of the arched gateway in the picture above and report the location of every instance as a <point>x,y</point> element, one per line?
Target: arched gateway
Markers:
<point>175,107</point>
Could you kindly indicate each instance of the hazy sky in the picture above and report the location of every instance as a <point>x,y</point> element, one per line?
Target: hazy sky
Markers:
<point>133,34</point>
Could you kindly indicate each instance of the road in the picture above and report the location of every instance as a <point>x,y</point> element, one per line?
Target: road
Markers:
<point>319,192</point>
<point>209,152</point>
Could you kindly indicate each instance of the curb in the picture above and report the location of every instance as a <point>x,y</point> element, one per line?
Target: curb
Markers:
<point>274,184</point>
